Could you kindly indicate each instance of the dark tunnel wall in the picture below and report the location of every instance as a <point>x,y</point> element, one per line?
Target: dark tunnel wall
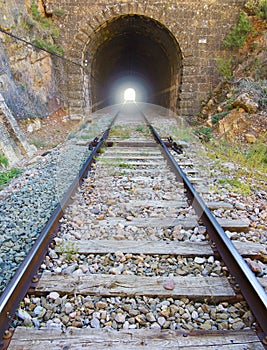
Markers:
<point>134,51</point>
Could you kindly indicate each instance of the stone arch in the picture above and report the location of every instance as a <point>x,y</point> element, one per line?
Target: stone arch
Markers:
<point>105,56</point>
<point>196,29</point>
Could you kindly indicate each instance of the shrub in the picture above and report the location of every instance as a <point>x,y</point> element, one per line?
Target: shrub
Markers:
<point>59,12</point>
<point>42,44</point>
<point>44,26</point>
<point>225,67</point>
<point>3,160</point>
<point>237,37</point>
<point>35,12</point>
<point>257,7</point>
<point>216,117</point>
<point>204,133</point>
<point>7,176</point>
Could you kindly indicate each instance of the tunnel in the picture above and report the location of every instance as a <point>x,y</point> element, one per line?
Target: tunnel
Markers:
<point>136,52</point>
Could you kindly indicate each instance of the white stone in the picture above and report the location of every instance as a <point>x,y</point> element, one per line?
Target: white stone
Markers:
<point>39,311</point>
<point>199,260</point>
<point>22,314</point>
<point>194,315</point>
<point>53,296</point>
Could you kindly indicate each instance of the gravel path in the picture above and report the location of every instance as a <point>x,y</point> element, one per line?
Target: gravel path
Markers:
<point>93,205</point>
<point>28,202</point>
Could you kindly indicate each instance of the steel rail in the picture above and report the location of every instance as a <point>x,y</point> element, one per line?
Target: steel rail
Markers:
<point>23,277</point>
<point>250,287</point>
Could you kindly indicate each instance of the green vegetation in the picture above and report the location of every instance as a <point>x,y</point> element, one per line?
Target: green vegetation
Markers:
<point>43,29</point>
<point>85,137</point>
<point>257,7</point>
<point>252,158</point>
<point>7,176</point>
<point>42,44</point>
<point>68,250</point>
<point>124,165</point>
<point>42,23</point>
<point>144,130</point>
<point>237,186</point>
<point>225,67</point>
<point>239,33</point>
<point>59,12</point>
<point>182,132</point>
<point>101,150</point>
<point>120,132</point>
<point>3,161</point>
<point>216,117</point>
<point>115,162</point>
<point>39,143</point>
<point>204,133</point>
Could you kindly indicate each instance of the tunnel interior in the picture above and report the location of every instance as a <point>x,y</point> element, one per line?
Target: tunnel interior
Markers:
<point>138,52</point>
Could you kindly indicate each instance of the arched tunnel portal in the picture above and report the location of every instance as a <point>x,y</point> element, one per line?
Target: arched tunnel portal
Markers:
<point>133,51</point>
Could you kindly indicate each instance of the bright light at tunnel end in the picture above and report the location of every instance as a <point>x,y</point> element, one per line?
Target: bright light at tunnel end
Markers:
<point>129,89</point>
<point>129,95</point>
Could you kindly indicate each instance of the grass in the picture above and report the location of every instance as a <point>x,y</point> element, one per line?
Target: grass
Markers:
<point>143,130</point>
<point>42,29</point>
<point>59,12</point>
<point>3,161</point>
<point>120,132</point>
<point>250,161</point>
<point>216,117</point>
<point>237,186</point>
<point>39,143</point>
<point>204,133</point>
<point>257,7</point>
<point>43,44</point>
<point>253,157</point>
<point>7,176</point>
<point>85,137</point>
<point>68,250</point>
<point>116,162</point>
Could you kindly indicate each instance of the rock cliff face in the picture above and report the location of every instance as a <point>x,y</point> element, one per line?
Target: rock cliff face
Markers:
<point>26,81</point>
<point>26,75</point>
<point>13,144</point>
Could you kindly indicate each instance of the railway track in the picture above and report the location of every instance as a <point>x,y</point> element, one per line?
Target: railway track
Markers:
<point>123,270</point>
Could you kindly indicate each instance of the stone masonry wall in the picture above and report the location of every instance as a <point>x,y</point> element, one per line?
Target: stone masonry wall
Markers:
<point>199,27</point>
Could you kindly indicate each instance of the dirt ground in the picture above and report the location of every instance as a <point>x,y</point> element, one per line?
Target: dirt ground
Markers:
<point>48,131</point>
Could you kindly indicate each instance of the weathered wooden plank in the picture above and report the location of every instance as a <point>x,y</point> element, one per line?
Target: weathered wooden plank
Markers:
<point>195,180</point>
<point>233,225</point>
<point>147,163</point>
<point>187,223</point>
<point>250,248</point>
<point>160,247</point>
<point>156,204</point>
<point>142,247</point>
<point>154,171</point>
<point>129,285</point>
<point>140,144</point>
<point>124,150</point>
<point>126,156</point>
<point>76,339</point>
<point>132,151</point>
<point>218,205</point>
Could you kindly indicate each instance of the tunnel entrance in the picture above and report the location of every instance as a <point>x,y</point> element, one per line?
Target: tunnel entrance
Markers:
<point>136,52</point>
